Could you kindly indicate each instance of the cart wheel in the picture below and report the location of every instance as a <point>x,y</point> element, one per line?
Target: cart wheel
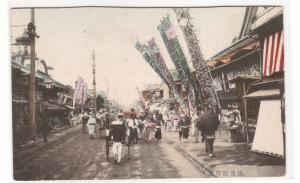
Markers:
<point>107,152</point>
<point>128,152</point>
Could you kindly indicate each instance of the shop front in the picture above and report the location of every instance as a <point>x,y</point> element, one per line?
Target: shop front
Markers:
<point>269,127</point>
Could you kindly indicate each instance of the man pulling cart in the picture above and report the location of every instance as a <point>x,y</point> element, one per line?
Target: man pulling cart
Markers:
<point>116,138</point>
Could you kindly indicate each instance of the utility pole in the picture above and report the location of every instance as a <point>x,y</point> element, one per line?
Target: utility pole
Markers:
<point>94,82</point>
<point>108,103</point>
<point>32,91</point>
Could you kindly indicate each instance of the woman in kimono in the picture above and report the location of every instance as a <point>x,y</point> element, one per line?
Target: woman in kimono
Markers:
<point>146,130</point>
<point>151,127</point>
<point>175,122</point>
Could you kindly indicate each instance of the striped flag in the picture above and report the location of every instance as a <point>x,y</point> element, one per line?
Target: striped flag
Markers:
<point>273,54</point>
<point>142,98</point>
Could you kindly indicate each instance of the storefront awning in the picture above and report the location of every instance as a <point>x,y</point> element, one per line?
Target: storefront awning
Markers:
<point>263,94</point>
<point>247,78</point>
<point>268,138</point>
<point>69,107</point>
<point>18,99</point>
<point>50,106</point>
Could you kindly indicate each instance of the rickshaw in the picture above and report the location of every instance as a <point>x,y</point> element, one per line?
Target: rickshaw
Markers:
<point>108,148</point>
<point>125,143</point>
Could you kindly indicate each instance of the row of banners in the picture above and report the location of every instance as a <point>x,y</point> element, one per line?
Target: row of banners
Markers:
<point>199,88</point>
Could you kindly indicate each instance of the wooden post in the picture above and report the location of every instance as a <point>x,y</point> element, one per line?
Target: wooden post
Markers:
<point>188,105</point>
<point>32,87</point>
<point>94,85</point>
<point>246,128</point>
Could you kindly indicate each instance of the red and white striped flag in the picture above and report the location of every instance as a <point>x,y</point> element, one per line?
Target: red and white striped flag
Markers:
<point>142,98</point>
<point>273,54</point>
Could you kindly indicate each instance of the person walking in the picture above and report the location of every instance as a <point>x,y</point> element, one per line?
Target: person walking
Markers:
<point>140,127</point>
<point>158,127</point>
<point>84,121</point>
<point>208,124</point>
<point>107,123</point>
<point>46,127</point>
<point>133,125</point>
<point>150,130</point>
<point>209,138</point>
<point>185,125</point>
<point>118,133</point>
<point>180,130</point>
<point>195,127</point>
<point>146,131</point>
<point>176,120</point>
<point>92,126</point>
<point>165,119</point>
<point>70,118</point>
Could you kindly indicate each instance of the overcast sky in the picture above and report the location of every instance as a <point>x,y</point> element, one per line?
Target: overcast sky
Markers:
<point>69,35</point>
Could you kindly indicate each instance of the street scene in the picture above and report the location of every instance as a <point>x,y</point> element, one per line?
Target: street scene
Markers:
<point>106,93</point>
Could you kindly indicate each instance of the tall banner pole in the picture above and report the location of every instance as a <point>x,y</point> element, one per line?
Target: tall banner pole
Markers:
<point>203,74</point>
<point>168,34</point>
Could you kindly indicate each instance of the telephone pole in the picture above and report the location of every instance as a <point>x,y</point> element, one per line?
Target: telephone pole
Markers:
<point>94,82</point>
<point>107,89</point>
<point>32,88</point>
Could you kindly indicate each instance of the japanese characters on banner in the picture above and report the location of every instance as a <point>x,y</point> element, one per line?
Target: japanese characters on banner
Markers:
<point>162,65</point>
<point>153,57</point>
<point>80,93</point>
<point>169,37</point>
<point>202,72</point>
<point>145,51</point>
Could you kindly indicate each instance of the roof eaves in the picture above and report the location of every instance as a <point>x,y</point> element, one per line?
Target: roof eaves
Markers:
<point>232,47</point>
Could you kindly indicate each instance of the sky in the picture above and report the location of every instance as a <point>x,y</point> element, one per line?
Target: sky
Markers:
<point>68,37</point>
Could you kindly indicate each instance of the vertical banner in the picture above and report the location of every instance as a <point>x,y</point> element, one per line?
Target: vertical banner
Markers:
<point>168,34</point>
<point>162,65</point>
<point>202,72</point>
<point>142,98</point>
<point>80,93</point>
<point>153,57</point>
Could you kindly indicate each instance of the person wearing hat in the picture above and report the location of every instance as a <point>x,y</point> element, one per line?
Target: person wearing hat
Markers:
<point>46,126</point>
<point>117,135</point>
<point>210,114</point>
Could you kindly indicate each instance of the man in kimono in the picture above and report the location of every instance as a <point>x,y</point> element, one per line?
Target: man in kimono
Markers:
<point>92,126</point>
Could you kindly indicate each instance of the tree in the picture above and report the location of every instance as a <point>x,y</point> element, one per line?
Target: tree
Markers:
<point>99,102</point>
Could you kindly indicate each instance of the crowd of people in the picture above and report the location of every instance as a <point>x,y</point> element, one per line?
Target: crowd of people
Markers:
<point>201,124</point>
<point>146,126</point>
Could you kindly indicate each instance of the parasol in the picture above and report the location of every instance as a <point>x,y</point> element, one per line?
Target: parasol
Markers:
<point>208,120</point>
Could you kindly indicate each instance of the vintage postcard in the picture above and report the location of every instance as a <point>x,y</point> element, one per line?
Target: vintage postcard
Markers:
<point>106,93</point>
